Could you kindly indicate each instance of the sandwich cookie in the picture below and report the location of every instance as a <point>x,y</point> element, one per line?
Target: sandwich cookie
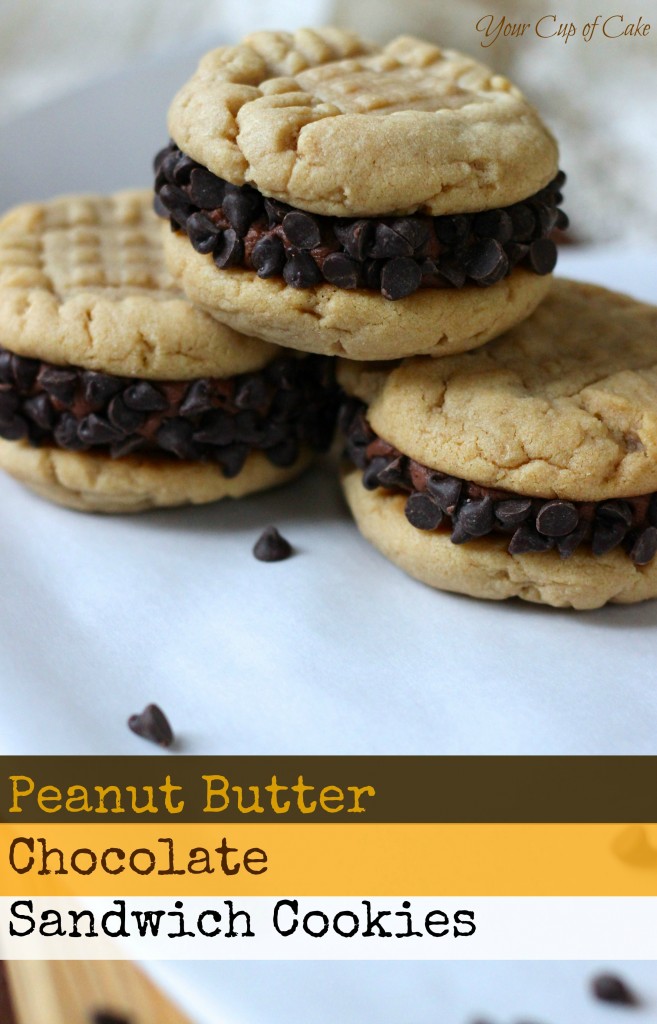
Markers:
<point>526,469</point>
<point>350,200</point>
<point>116,394</point>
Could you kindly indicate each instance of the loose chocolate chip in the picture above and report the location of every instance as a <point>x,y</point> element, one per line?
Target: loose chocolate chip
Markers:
<point>59,383</point>
<point>302,230</point>
<point>413,229</point>
<point>127,446</point>
<point>251,393</point>
<point>98,388</point>
<point>6,375</point>
<point>394,474</point>
<point>284,454</point>
<point>152,724</point>
<point>198,398</point>
<point>205,190</point>
<point>607,535</point>
<point>241,208</point>
<point>356,237</point>
<point>230,250</point>
<point>40,411</point>
<point>556,518</point>
<point>388,243</point>
<point>542,256</point>
<point>451,271</point>
<point>612,989</point>
<point>567,545</point>
<point>341,270</point>
<point>485,259</point>
<point>175,435</point>
<point>145,397</point>
<point>446,490</point>
<point>301,271</point>
<point>527,540</point>
<point>202,233</point>
<point>493,224</point>
<point>122,417</point>
<point>399,278</point>
<point>644,547</point>
<point>423,512</point>
<point>14,429</point>
<point>451,231</point>
<point>616,510</point>
<point>512,511</point>
<point>268,256</point>
<point>476,516</point>
<point>232,458</point>
<point>94,429</point>
<point>371,474</point>
<point>24,371</point>
<point>66,433</point>
<point>271,547</point>
<point>8,404</point>
<point>275,211</point>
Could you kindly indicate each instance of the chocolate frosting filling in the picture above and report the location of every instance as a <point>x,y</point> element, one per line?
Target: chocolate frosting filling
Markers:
<point>289,404</point>
<point>394,255</point>
<point>439,501</point>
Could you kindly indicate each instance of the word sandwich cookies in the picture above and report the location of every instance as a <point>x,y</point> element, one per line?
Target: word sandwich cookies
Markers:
<point>527,468</point>
<point>116,393</point>
<point>344,199</point>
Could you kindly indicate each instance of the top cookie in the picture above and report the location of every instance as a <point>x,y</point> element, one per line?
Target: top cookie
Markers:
<point>322,121</point>
<point>83,282</point>
<point>563,405</point>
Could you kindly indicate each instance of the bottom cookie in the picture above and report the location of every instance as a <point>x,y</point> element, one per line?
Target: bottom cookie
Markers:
<point>484,568</point>
<point>94,482</point>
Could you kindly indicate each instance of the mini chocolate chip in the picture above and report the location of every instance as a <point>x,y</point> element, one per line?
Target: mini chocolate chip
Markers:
<point>542,256</point>
<point>168,164</point>
<point>177,203</point>
<point>341,270</point>
<point>301,271</point>
<point>394,474</point>
<point>446,490</point>
<point>9,403</point>
<point>6,375</point>
<point>40,411</point>
<point>546,217</point>
<point>423,512</point>
<point>126,447</point>
<point>59,383</point>
<point>372,274</point>
<point>356,237</point>
<point>459,534</point>
<point>183,169</point>
<point>271,547</point>
<point>14,429</point>
<point>198,398</point>
<point>230,250</point>
<point>145,397</point>
<point>515,252</point>
<point>103,1017</point>
<point>251,393</point>
<point>617,510</point>
<point>161,154</point>
<point>388,243</point>
<point>94,429</point>
<point>512,511</point>
<point>568,545</point>
<point>559,181</point>
<point>452,231</point>
<point>612,989</point>
<point>476,516</point>
<point>284,454</point>
<point>175,435</point>
<point>644,547</point>
<point>562,221</point>
<point>98,388</point>
<point>556,518</point>
<point>241,208</point>
<point>485,259</point>
<point>66,433</point>
<point>370,478</point>
<point>123,418</point>
<point>268,256</point>
<point>231,458</point>
<point>527,540</point>
<point>152,724</point>
<point>302,230</point>
<point>206,190</point>
<point>24,371</point>
<point>607,535</point>
<point>414,229</point>
<point>202,233</point>
<point>275,211</point>
<point>400,278</point>
<point>523,221</point>
<point>248,429</point>
<point>493,224</point>
<point>652,510</point>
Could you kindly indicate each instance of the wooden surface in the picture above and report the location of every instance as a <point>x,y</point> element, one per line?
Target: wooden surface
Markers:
<point>71,991</point>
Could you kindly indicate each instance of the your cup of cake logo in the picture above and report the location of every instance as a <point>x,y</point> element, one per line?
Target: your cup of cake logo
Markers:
<point>493,27</point>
